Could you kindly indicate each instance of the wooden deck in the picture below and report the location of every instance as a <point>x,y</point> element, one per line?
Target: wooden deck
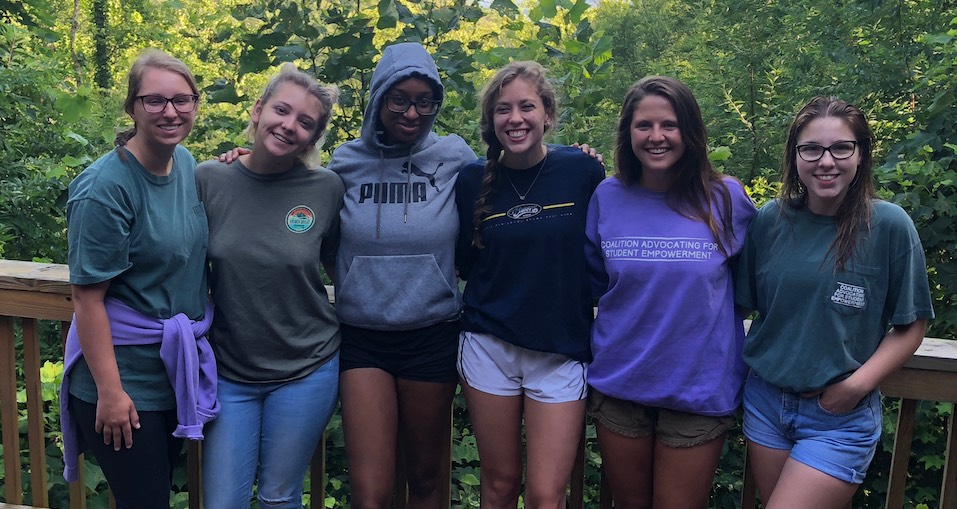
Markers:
<point>30,292</point>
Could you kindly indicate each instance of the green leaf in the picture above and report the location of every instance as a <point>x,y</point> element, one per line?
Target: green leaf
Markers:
<point>719,154</point>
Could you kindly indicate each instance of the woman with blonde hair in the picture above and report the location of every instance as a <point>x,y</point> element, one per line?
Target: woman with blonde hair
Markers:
<point>273,223</point>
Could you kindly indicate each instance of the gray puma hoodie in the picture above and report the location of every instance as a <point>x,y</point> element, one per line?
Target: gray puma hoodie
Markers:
<point>395,266</point>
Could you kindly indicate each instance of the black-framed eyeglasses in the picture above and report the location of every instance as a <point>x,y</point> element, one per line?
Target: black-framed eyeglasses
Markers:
<point>401,104</point>
<point>812,152</point>
<point>155,103</point>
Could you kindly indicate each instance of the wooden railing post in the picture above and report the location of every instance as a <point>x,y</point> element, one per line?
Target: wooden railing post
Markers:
<point>36,435</point>
<point>8,412</point>
<point>901,456</point>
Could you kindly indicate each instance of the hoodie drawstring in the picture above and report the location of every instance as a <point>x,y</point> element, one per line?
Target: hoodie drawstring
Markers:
<point>378,209</point>
<point>408,189</point>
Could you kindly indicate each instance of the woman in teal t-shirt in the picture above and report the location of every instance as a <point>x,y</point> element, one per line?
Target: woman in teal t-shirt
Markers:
<point>137,241</point>
<point>838,280</point>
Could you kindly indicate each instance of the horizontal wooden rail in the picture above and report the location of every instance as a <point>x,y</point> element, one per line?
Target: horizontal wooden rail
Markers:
<point>34,291</point>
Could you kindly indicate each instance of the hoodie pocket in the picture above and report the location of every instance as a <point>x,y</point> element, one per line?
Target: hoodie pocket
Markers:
<point>395,292</point>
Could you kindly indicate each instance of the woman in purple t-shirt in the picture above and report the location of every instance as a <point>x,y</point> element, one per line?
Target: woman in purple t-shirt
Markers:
<point>666,377</point>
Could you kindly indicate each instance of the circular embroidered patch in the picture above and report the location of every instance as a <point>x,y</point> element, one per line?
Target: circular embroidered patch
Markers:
<point>300,219</point>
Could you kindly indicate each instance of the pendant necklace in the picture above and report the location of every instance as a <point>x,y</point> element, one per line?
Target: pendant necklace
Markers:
<point>521,196</point>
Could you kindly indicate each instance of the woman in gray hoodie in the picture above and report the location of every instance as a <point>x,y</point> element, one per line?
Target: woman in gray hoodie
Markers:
<point>396,290</point>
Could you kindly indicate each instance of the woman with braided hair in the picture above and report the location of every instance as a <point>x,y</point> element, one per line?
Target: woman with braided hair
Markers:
<point>524,349</point>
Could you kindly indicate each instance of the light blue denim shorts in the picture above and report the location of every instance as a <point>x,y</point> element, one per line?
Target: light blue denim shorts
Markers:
<point>840,445</point>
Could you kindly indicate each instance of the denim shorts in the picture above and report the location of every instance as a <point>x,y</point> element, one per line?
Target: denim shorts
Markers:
<point>840,445</point>
<point>672,428</point>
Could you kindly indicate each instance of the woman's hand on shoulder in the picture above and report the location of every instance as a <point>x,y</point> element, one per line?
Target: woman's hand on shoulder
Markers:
<point>590,151</point>
<point>233,154</point>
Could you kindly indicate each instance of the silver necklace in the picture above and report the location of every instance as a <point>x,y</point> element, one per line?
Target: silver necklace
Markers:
<point>521,196</point>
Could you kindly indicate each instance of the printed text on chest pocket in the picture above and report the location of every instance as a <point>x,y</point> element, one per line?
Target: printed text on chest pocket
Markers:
<point>852,290</point>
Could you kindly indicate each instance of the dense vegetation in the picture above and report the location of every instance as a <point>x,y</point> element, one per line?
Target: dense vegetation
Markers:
<point>751,63</point>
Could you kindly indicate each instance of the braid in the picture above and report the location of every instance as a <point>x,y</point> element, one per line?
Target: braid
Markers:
<point>488,181</point>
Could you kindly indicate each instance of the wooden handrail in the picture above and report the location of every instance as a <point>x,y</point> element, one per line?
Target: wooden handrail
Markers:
<point>35,291</point>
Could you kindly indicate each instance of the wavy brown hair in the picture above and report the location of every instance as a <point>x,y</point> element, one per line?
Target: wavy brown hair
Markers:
<point>696,185</point>
<point>534,74</point>
<point>854,212</point>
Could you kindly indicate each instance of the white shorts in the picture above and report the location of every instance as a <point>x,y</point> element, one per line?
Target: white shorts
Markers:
<point>493,366</point>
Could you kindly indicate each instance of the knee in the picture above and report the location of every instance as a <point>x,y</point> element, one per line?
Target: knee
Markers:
<point>501,490</point>
<point>281,502</point>
<point>540,499</point>
<point>423,487</point>
<point>378,500</point>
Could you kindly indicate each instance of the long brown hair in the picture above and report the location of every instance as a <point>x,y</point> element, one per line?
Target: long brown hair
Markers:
<point>149,59</point>
<point>534,74</point>
<point>854,212</point>
<point>695,184</point>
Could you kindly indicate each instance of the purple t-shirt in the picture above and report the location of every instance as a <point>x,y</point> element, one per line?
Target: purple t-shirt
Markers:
<point>666,334</point>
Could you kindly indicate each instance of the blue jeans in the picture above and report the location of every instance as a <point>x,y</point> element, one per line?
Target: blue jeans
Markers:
<point>840,445</point>
<point>274,427</point>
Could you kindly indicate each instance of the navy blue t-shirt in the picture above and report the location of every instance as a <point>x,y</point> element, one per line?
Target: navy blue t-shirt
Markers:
<point>528,286</point>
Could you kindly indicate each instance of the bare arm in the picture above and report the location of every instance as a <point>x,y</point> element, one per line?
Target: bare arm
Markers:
<point>116,415</point>
<point>895,349</point>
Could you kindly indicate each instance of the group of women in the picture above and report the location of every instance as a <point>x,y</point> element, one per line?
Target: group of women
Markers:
<point>674,253</point>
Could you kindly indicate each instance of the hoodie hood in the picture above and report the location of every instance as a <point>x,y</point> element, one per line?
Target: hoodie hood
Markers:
<point>399,62</point>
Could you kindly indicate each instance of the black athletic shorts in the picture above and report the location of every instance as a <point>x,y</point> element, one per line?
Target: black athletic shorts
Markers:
<point>425,355</point>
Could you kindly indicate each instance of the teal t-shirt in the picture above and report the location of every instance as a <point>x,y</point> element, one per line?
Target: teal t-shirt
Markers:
<point>147,235</point>
<point>817,325</point>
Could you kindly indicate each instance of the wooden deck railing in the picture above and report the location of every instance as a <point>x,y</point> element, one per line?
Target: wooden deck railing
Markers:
<point>31,292</point>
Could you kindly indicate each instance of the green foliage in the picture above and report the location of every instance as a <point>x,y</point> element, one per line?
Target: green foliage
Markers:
<point>751,63</point>
<point>921,176</point>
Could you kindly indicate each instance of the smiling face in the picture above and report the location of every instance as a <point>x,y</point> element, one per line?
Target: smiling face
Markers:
<point>519,120</point>
<point>408,127</point>
<point>168,127</point>
<point>656,141</point>
<point>827,179</point>
<point>286,124</point>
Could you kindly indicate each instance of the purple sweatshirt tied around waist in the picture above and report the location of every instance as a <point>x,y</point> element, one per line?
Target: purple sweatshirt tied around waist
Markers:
<point>186,354</point>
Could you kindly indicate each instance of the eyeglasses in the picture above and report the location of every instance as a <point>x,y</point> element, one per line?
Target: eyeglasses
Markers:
<point>812,152</point>
<point>155,103</point>
<point>401,104</point>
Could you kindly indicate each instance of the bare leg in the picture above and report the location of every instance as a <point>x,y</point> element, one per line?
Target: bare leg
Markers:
<point>497,421</point>
<point>425,427</point>
<point>628,466</point>
<point>766,465</point>
<point>801,486</point>
<point>369,417</point>
<point>684,475</point>
<point>552,434</point>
